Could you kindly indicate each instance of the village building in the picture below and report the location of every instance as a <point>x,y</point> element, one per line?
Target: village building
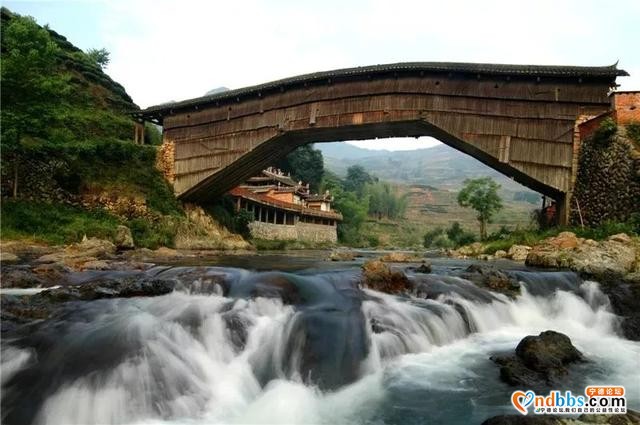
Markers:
<point>284,209</point>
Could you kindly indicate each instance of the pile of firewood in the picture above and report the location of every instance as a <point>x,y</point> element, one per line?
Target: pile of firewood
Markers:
<point>608,181</point>
<point>165,159</point>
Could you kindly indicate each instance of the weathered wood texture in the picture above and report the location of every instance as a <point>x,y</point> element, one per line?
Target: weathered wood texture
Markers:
<point>523,128</point>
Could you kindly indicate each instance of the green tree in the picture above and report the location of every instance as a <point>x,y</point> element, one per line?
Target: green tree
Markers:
<point>357,178</point>
<point>305,164</point>
<point>384,202</point>
<point>354,213</point>
<point>455,231</point>
<point>482,195</point>
<point>152,135</point>
<point>99,57</point>
<point>431,236</point>
<point>32,89</point>
<point>353,209</point>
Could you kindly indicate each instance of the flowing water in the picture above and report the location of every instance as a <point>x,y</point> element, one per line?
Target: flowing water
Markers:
<point>237,346</point>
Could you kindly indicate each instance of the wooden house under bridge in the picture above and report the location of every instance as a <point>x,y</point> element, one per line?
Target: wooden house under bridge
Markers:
<point>284,209</point>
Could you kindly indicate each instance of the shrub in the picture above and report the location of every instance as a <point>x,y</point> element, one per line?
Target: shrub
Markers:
<point>373,240</point>
<point>603,135</point>
<point>633,132</point>
<point>431,235</point>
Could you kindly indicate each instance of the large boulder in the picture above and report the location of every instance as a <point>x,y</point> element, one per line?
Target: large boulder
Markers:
<point>380,277</point>
<point>491,278</point>
<point>625,302</point>
<point>500,254</point>
<point>518,252</point>
<point>472,250</point>
<point>539,360</point>
<point>615,256</point>
<point>342,254</point>
<point>200,231</point>
<point>88,249</point>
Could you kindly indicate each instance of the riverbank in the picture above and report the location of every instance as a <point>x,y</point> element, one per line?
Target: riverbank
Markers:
<point>616,256</point>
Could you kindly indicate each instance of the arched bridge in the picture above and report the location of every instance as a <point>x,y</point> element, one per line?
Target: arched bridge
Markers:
<point>518,119</point>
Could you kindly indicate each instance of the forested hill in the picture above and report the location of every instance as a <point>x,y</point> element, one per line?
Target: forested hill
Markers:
<point>55,91</point>
<point>69,164</point>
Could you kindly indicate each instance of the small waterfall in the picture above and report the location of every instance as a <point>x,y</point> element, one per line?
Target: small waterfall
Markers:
<point>232,346</point>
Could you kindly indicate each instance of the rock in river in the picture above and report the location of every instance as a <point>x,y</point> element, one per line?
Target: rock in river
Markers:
<point>539,360</point>
<point>379,276</point>
<point>491,278</point>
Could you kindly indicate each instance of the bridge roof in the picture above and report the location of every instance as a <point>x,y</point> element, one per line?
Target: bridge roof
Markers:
<point>523,71</point>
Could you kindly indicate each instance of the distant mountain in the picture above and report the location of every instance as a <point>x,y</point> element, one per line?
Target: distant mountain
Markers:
<point>346,151</point>
<point>440,166</point>
<point>216,91</point>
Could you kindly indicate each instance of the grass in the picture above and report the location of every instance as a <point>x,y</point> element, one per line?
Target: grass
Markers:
<point>53,223</point>
<point>58,224</point>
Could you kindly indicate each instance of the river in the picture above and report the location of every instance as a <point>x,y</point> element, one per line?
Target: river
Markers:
<point>284,339</point>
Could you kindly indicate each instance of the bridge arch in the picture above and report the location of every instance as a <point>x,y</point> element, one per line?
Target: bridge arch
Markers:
<point>517,119</point>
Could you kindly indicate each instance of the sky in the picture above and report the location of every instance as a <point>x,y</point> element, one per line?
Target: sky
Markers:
<point>167,50</point>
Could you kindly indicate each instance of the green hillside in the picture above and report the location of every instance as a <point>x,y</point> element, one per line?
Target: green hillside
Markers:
<point>69,166</point>
<point>431,179</point>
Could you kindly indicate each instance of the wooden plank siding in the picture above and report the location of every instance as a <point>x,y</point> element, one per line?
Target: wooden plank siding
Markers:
<point>523,128</point>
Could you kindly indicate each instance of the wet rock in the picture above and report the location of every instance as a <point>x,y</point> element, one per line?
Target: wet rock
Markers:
<point>518,252</point>
<point>380,277</point>
<point>52,274</point>
<point>20,310</point>
<point>237,329</point>
<point>491,278</point>
<point>123,239</point>
<point>131,286</point>
<point>25,309</point>
<point>539,360</point>
<point>342,255</point>
<point>400,257</point>
<point>272,285</point>
<point>630,418</point>
<point>425,267</point>
<point>19,277</point>
<point>625,302</point>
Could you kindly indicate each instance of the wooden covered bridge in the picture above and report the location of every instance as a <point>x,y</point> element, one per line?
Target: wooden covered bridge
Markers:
<point>518,119</point>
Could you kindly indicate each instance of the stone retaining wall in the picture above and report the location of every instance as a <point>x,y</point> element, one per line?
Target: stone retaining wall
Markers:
<point>300,231</point>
